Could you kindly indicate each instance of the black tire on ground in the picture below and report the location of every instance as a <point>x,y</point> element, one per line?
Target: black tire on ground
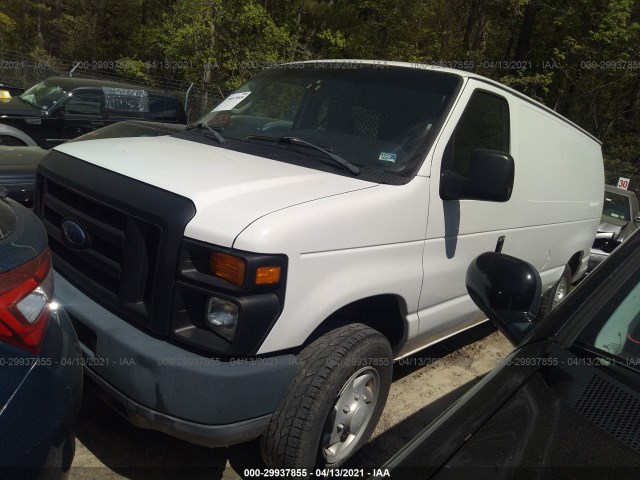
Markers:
<point>334,402</point>
<point>7,141</point>
<point>556,294</point>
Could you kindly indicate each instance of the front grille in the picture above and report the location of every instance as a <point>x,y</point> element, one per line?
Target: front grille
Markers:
<point>120,262</point>
<point>134,229</point>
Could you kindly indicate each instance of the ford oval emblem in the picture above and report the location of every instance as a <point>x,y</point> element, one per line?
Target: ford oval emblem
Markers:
<point>74,234</point>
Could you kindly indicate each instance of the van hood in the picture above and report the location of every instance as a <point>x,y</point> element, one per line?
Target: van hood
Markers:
<point>230,189</point>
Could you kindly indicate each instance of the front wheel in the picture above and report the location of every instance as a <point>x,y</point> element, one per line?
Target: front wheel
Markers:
<point>556,294</point>
<point>334,402</point>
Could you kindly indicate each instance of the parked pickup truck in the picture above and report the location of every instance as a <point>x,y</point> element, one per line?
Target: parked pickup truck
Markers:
<point>59,109</point>
<point>620,218</point>
<point>18,164</point>
<point>8,90</point>
<point>257,275</point>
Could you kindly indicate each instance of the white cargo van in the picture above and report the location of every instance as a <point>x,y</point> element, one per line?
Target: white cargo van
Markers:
<point>257,275</point>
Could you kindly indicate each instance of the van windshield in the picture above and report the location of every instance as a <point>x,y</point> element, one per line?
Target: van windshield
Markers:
<point>377,118</point>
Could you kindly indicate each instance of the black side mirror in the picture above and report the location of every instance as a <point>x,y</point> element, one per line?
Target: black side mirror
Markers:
<point>490,178</point>
<point>508,290</point>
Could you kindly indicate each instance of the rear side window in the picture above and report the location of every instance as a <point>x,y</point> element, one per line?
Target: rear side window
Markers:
<point>483,125</point>
<point>159,104</point>
<point>126,101</point>
<point>163,108</point>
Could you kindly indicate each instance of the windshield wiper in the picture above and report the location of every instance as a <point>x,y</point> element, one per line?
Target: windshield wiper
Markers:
<point>209,132</point>
<point>298,141</point>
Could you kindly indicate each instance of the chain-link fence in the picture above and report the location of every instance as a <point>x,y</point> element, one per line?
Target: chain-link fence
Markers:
<point>23,70</point>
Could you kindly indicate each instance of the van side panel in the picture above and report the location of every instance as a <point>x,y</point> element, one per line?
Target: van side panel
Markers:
<point>552,214</point>
<point>341,249</point>
<point>562,172</point>
<point>572,191</point>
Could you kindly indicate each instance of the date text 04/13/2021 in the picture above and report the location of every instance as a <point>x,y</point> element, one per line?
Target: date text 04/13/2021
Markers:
<point>317,473</point>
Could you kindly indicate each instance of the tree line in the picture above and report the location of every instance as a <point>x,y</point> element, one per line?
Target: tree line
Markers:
<point>579,57</point>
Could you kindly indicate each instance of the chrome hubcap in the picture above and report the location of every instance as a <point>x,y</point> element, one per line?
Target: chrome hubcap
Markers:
<point>350,414</point>
<point>561,292</point>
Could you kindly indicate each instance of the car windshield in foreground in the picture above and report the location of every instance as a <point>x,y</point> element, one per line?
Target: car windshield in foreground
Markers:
<point>614,333</point>
<point>617,206</point>
<point>370,117</point>
<point>44,95</point>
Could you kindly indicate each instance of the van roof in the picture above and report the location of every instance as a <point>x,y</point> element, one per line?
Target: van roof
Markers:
<point>461,73</point>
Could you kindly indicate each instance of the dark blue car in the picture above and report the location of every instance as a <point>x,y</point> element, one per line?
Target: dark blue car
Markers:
<point>565,404</point>
<point>40,360</point>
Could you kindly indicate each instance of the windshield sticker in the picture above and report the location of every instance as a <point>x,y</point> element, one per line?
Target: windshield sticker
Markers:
<point>231,101</point>
<point>387,157</point>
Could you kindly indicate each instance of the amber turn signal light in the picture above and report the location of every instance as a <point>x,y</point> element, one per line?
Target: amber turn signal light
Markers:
<point>227,267</point>
<point>267,275</point>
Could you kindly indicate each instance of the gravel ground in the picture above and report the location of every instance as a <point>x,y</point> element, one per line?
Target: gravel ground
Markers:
<point>424,385</point>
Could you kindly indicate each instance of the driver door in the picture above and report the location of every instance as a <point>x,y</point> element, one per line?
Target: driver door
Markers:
<point>82,113</point>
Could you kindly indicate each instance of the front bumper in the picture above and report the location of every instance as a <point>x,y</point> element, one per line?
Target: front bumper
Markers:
<point>158,385</point>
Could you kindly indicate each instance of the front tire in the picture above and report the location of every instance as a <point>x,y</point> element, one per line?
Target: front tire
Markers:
<point>334,402</point>
<point>556,294</point>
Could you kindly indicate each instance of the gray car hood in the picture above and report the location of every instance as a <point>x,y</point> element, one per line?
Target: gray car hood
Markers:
<point>610,224</point>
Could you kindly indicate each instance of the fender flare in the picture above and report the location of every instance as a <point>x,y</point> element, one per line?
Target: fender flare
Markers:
<point>8,130</point>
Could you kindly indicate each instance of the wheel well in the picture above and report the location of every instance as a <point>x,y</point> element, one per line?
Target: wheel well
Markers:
<point>381,312</point>
<point>12,141</point>
<point>574,263</point>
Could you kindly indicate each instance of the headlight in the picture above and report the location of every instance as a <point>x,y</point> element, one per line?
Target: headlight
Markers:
<point>226,300</point>
<point>221,316</point>
<point>231,270</point>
